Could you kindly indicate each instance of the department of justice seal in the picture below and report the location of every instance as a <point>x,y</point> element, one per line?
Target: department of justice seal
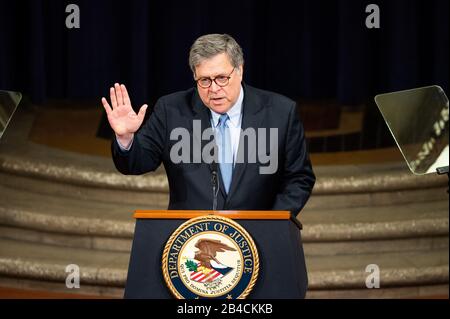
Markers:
<point>210,257</point>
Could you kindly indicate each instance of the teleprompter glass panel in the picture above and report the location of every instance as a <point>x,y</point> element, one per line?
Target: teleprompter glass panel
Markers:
<point>8,104</point>
<point>418,121</point>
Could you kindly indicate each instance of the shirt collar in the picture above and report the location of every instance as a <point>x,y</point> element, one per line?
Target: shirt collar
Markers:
<point>234,112</point>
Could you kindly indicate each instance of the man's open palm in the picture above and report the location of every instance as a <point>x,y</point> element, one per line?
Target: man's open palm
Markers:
<point>122,118</point>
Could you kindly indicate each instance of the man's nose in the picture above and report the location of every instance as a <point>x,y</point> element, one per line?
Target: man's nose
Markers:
<point>214,87</point>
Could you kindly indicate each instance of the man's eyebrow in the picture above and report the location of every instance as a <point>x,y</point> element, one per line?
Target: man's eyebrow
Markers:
<point>208,77</point>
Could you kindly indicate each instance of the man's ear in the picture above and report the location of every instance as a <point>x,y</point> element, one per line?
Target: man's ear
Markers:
<point>241,70</point>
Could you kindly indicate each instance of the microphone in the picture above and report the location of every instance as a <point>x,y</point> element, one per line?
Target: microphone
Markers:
<point>215,183</point>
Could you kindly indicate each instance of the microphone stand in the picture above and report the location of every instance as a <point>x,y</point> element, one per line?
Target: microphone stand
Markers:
<point>215,184</point>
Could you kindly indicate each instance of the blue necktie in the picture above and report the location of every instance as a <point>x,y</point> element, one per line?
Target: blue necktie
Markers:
<point>225,151</point>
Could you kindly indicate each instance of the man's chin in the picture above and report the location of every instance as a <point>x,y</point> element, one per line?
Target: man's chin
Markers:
<point>219,108</point>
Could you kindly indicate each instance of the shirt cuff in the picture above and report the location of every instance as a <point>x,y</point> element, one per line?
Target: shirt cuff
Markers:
<point>123,148</point>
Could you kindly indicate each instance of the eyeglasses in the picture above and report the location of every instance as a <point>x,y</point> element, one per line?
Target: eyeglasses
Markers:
<point>221,80</point>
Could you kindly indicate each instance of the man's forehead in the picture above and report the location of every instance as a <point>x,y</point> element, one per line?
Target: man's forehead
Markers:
<point>217,65</point>
<point>212,74</point>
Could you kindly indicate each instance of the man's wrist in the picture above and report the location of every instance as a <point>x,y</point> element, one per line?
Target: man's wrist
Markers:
<point>125,141</point>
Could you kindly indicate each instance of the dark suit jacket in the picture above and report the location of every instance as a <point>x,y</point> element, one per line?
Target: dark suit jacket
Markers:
<point>190,183</point>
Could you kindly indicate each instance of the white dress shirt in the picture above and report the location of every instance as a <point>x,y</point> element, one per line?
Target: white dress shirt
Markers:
<point>234,123</point>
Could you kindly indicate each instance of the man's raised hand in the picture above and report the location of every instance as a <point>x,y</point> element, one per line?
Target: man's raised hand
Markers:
<point>122,118</point>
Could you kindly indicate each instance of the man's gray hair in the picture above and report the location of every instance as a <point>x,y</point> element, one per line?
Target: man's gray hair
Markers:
<point>209,45</point>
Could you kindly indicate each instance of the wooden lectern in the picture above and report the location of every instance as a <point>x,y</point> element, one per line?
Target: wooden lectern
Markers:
<point>282,269</point>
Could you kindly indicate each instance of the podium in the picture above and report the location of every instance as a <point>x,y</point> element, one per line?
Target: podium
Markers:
<point>282,269</point>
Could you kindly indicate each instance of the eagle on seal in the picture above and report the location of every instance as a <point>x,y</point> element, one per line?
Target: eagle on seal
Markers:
<point>208,248</point>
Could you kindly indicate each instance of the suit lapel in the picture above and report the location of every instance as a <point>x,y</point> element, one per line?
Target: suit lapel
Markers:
<point>200,112</point>
<point>251,118</point>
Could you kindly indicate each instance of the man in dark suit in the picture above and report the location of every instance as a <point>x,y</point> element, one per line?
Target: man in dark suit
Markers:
<point>256,171</point>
